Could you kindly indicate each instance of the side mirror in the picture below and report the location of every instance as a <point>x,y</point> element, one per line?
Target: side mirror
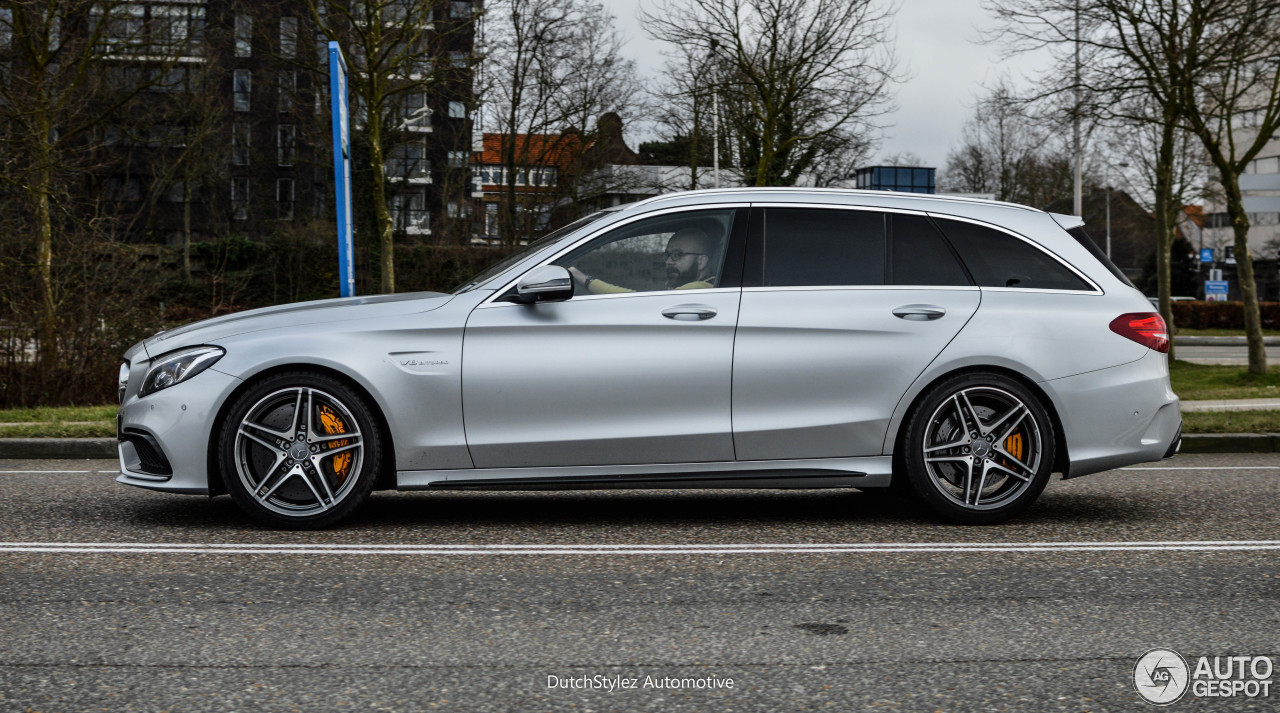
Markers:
<point>549,283</point>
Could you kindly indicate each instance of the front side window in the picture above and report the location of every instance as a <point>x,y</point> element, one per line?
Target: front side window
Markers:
<point>997,259</point>
<point>681,251</point>
<point>823,247</point>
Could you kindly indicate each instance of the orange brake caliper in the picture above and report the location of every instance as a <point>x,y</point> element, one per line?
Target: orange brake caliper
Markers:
<point>332,426</point>
<point>1013,444</point>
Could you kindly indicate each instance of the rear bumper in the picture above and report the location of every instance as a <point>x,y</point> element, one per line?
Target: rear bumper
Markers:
<point>1119,416</point>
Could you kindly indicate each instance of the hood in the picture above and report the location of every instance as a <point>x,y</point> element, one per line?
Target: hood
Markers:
<point>298,313</point>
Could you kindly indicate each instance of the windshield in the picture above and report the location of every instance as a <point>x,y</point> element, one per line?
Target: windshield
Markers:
<point>524,252</point>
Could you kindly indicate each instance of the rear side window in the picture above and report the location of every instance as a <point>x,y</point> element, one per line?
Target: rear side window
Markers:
<point>996,259</point>
<point>821,247</point>
<point>919,256</point>
<point>1083,238</point>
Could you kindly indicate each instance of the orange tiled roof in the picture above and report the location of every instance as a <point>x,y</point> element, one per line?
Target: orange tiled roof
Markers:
<point>559,150</point>
<point>1195,213</point>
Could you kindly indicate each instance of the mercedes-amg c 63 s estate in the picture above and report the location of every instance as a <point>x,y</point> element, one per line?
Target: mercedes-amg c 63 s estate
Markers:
<point>959,350</point>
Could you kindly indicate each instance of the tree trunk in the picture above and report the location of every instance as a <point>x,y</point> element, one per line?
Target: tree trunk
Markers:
<point>381,215</point>
<point>39,190</point>
<point>1244,271</point>
<point>186,228</point>
<point>1166,219</point>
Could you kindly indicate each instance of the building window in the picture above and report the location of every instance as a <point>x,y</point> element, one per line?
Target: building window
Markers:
<point>239,144</point>
<point>288,37</point>
<point>6,28</point>
<point>126,190</point>
<point>239,199</point>
<point>288,88</point>
<point>285,137</point>
<point>177,30</point>
<point>284,198</point>
<point>119,27</point>
<point>490,218</point>
<point>242,85</point>
<point>458,159</point>
<point>459,59</point>
<point>416,113</point>
<point>244,36</point>
<point>408,212</point>
<point>176,192</point>
<point>460,9</point>
<point>407,162</point>
<point>457,110</point>
<point>172,80</point>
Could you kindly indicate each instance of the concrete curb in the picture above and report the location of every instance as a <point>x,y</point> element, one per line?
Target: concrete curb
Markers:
<point>105,448</point>
<point>1221,341</point>
<point>30,448</point>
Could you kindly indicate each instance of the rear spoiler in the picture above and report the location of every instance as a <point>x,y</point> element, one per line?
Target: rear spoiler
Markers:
<point>1067,221</point>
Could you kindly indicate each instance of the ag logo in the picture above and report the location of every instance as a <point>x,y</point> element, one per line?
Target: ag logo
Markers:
<point>1161,676</point>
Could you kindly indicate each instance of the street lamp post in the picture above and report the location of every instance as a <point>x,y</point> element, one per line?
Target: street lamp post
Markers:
<point>1121,165</point>
<point>715,114</point>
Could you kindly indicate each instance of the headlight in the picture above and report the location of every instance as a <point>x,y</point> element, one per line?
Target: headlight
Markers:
<point>123,379</point>
<point>179,366</point>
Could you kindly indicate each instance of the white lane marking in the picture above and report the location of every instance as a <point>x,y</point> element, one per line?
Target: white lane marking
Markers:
<point>1211,467</point>
<point>624,549</point>
<point>50,471</point>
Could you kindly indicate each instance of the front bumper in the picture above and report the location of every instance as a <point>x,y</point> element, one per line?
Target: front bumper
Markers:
<point>178,423</point>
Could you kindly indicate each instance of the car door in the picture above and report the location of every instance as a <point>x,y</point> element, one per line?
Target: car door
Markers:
<point>841,310</point>
<point>637,372</point>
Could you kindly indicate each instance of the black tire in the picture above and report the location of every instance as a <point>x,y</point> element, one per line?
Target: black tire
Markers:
<point>974,476</point>
<point>299,450</point>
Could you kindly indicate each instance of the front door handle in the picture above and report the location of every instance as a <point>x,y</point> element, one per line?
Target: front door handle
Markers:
<point>919,313</point>
<point>689,313</point>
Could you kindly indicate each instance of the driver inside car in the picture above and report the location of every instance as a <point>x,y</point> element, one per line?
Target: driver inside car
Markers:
<point>687,260</point>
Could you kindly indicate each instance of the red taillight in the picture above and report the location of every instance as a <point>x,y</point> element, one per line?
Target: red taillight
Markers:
<point>1145,328</point>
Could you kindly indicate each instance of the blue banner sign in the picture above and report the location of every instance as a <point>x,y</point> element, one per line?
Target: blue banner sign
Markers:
<point>1206,254</point>
<point>1215,290</point>
<point>342,167</point>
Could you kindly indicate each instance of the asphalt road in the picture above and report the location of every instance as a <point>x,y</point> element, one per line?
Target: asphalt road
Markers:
<point>998,625</point>
<point>1238,356</point>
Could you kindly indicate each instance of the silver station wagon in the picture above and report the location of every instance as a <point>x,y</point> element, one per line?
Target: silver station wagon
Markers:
<point>957,350</point>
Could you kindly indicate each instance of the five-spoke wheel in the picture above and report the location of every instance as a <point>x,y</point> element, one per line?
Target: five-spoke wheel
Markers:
<point>299,450</point>
<point>979,448</point>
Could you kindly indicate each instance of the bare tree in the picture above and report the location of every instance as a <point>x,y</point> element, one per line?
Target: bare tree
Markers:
<point>1194,63</point>
<point>1007,148</point>
<point>798,76</point>
<point>394,54</point>
<point>56,95</point>
<point>554,67</point>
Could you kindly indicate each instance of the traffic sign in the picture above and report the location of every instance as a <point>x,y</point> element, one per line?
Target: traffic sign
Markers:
<point>1215,290</point>
<point>1206,255</point>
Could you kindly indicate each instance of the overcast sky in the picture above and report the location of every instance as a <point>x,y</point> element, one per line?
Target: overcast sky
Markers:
<point>938,45</point>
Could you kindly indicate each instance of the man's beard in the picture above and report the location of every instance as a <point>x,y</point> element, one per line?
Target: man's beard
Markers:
<point>675,278</point>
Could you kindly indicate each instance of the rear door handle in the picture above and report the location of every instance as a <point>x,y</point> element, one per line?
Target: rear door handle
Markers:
<point>689,313</point>
<point>919,313</point>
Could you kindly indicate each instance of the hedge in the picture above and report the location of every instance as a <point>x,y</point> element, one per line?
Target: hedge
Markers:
<point>1221,315</point>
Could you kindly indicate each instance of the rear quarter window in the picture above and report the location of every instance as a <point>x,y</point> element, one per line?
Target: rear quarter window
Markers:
<point>997,259</point>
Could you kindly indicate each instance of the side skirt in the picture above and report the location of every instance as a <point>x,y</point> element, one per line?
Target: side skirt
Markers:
<point>866,472</point>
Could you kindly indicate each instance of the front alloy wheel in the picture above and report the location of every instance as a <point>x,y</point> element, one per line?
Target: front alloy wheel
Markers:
<point>299,451</point>
<point>980,449</point>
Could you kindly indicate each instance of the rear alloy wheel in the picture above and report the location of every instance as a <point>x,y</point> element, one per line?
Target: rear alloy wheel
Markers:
<point>299,451</point>
<point>979,448</point>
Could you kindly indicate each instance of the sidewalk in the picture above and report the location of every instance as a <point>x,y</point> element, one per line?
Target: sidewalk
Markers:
<point>1232,405</point>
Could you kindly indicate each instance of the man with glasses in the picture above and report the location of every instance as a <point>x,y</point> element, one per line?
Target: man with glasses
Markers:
<point>687,260</point>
